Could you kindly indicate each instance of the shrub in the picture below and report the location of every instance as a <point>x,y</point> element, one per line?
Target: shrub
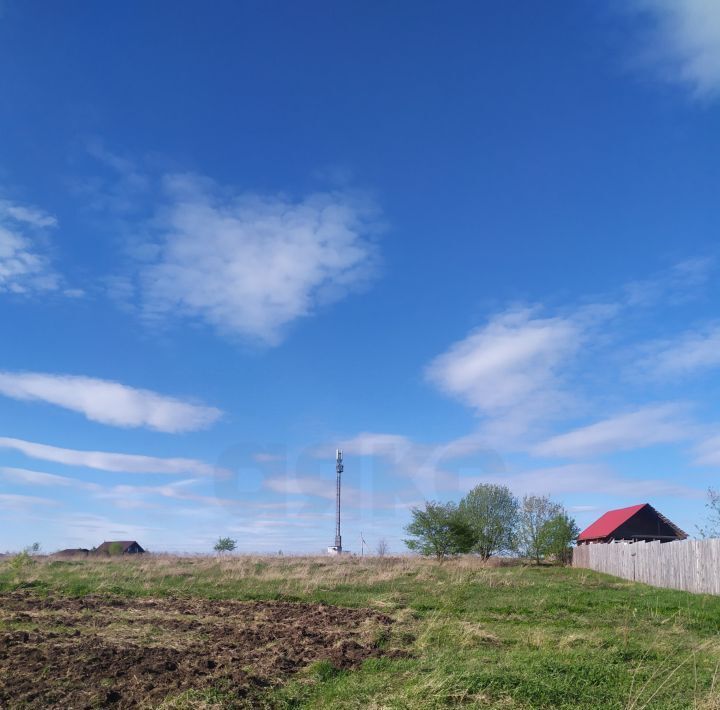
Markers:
<point>21,561</point>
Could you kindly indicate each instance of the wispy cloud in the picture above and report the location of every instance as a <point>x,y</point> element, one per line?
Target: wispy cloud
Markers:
<point>434,473</point>
<point>524,371</point>
<point>707,451</point>
<point>508,362</point>
<point>14,502</point>
<point>674,285</point>
<point>87,529</point>
<point>122,496</point>
<point>105,461</point>
<point>588,478</point>
<point>686,354</point>
<point>120,191</point>
<point>40,478</point>
<point>422,461</point>
<point>683,44</point>
<point>367,443</point>
<point>109,402</point>
<point>24,214</point>
<point>307,485</point>
<point>655,424</point>
<point>268,457</point>
<point>23,266</point>
<point>249,264</point>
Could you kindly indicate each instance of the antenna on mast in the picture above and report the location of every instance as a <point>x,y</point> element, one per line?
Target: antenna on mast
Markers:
<point>336,549</point>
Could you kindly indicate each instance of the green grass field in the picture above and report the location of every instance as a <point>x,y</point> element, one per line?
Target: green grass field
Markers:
<point>475,635</point>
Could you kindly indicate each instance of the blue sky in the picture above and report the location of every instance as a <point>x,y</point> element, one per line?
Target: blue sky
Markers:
<point>465,243</point>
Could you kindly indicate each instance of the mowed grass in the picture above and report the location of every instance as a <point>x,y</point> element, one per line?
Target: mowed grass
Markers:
<point>475,635</point>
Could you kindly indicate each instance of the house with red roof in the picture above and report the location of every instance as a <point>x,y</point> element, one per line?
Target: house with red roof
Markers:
<point>633,524</point>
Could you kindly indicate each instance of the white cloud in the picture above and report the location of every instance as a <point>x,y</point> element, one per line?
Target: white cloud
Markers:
<point>86,530</point>
<point>27,215</point>
<point>39,478</point>
<point>311,486</point>
<point>675,285</point>
<point>303,485</point>
<point>105,461</point>
<point>656,424</point>
<point>266,457</point>
<point>688,353</point>
<point>248,264</point>
<point>374,444</point>
<point>122,496</point>
<point>11,501</point>
<point>684,42</point>
<point>419,461</point>
<point>23,268</point>
<point>511,362</point>
<point>587,478</point>
<point>523,372</point>
<point>708,451</point>
<point>109,402</point>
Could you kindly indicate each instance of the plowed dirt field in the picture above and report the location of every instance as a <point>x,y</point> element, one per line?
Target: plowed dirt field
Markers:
<point>96,651</point>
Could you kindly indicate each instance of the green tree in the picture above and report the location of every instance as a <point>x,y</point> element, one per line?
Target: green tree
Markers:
<point>535,512</point>
<point>225,544</point>
<point>115,548</point>
<point>491,511</point>
<point>438,530</point>
<point>557,536</point>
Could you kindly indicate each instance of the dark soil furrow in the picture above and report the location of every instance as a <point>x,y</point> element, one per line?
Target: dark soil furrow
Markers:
<point>97,651</point>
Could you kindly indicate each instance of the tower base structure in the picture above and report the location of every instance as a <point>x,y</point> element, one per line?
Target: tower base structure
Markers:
<point>335,550</point>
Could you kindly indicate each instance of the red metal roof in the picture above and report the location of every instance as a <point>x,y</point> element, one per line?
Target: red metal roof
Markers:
<point>607,524</point>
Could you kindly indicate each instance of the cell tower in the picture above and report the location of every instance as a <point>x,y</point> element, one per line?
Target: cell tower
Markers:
<point>336,549</point>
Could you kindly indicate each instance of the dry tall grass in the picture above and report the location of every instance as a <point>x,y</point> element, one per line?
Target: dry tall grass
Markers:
<point>288,574</point>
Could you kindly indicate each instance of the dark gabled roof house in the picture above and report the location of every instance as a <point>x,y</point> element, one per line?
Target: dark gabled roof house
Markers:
<point>119,547</point>
<point>638,522</point>
<point>73,552</point>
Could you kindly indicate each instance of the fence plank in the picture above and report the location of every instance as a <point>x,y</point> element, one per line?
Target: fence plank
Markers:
<point>691,565</point>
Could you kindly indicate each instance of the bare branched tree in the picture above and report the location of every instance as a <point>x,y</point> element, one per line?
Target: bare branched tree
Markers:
<point>535,512</point>
<point>712,529</point>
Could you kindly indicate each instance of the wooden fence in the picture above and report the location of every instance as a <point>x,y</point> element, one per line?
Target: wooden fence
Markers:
<point>692,565</point>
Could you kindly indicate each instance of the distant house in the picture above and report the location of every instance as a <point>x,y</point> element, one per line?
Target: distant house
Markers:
<point>119,547</point>
<point>73,552</point>
<point>638,522</point>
